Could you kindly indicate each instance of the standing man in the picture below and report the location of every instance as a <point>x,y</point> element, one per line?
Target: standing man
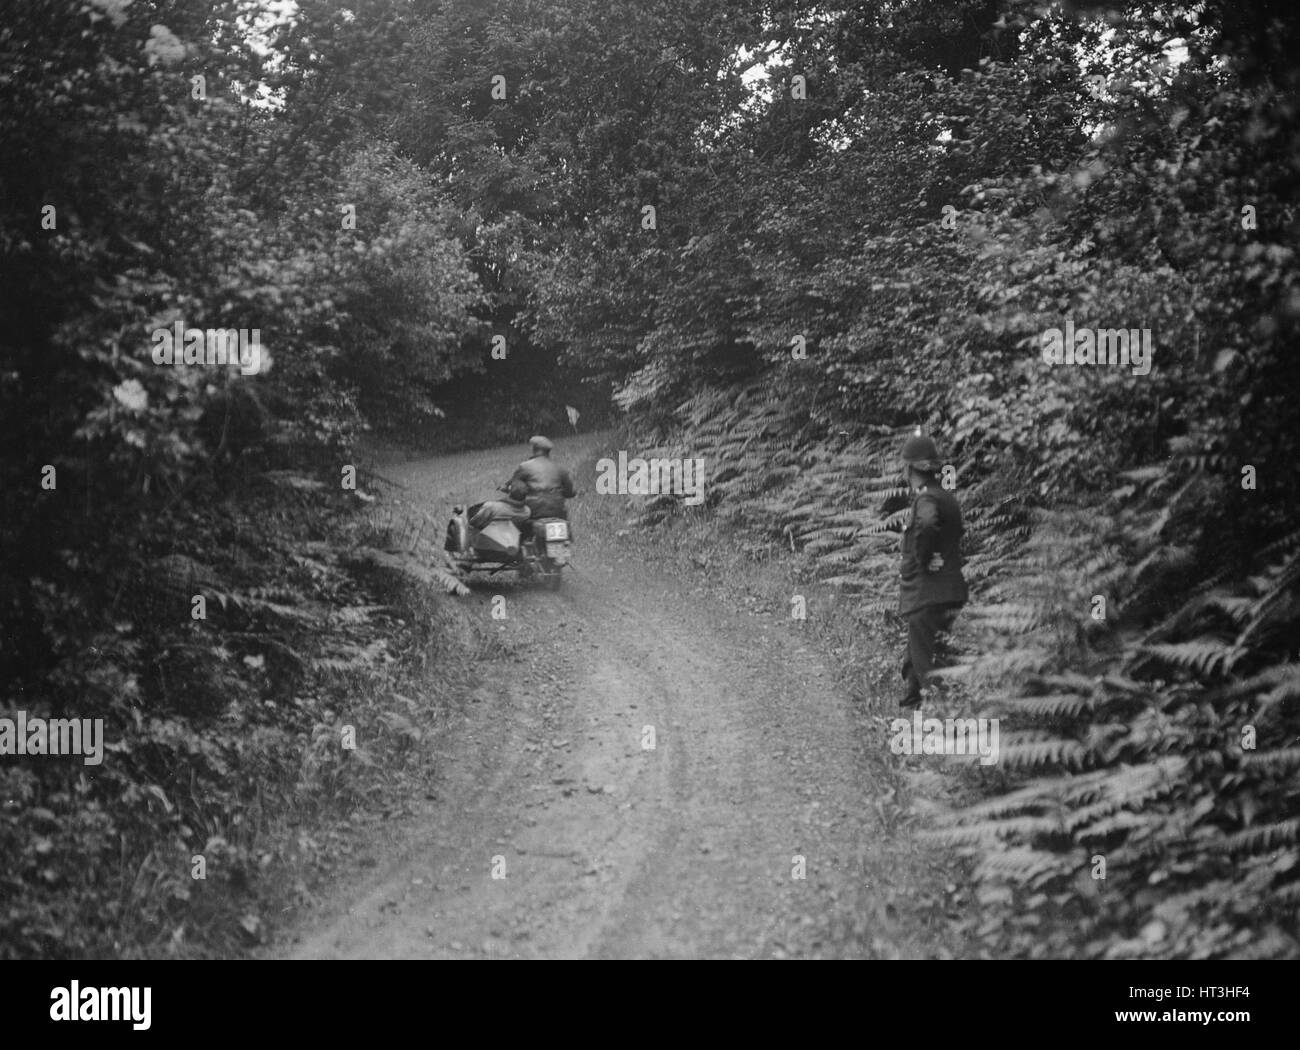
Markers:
<point>547,483</point>
<point>932,586</point>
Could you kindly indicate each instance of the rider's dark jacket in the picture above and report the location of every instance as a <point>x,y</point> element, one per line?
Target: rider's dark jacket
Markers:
<point>549,485</point>
<point>934,526</point>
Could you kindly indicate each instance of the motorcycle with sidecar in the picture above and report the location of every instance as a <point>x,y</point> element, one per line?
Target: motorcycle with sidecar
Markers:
<point>500,535</point>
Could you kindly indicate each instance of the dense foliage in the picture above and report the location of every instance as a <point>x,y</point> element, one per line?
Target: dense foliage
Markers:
<point>776,234</point>
<point>134,198</point>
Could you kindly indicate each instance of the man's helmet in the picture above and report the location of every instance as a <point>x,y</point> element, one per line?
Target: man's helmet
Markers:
<point>518,490</point>
<point>921,453</point>
<point>540,444</point>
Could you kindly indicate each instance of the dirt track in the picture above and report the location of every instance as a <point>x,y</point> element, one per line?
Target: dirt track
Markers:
<point>609,848</point>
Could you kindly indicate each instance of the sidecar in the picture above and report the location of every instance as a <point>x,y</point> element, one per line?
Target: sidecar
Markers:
<point>486,536</point>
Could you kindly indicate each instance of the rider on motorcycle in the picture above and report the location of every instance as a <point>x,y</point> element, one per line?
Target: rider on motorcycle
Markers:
<point>547,484</point>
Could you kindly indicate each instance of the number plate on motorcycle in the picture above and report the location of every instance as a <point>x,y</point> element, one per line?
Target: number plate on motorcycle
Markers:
<point>557,530</point>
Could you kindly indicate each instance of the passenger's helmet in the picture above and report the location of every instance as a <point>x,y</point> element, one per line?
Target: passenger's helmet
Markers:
<point>540,444</point>
<point>518,490</point>
<point>920,452</point>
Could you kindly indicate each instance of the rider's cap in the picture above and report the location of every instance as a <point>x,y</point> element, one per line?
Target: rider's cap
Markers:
<point>540,443</point>
<point>920,451</point>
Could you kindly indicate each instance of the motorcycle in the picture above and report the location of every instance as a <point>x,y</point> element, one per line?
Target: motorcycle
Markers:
<point>487,537</point>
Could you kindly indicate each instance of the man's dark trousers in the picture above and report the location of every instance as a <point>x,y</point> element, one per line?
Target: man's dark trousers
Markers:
<point>923,626</point>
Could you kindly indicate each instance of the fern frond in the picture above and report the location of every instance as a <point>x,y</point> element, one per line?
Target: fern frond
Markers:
<point>1026,866</point>
<point>1262,839</point>
<point>1205,656</point>
<point>1020,753</point>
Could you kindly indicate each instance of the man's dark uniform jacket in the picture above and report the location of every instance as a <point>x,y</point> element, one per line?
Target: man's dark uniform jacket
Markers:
<point>934,526</point>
